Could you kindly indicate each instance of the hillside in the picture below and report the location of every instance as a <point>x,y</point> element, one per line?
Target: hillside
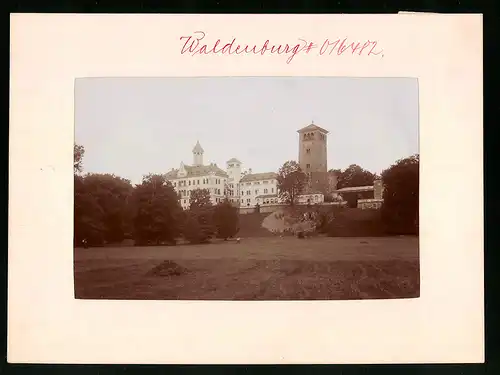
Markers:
<point>251,225</point>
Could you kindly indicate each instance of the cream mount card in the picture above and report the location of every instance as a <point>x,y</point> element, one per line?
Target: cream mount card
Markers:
<point>51,52</point>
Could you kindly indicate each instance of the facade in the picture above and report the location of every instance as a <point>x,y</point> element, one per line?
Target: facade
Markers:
<point>187,178</point>
<point>313,158</point>
<point>313,198</point>
<point>241,188</point>
<point>258,188</point>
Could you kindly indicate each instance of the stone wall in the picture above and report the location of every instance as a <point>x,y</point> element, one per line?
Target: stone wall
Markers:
<point>365,204</point>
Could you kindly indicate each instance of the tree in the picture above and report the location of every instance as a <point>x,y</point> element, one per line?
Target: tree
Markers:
<point>101,208</point>
<point>199,198</point>
<point>158,213</point>
<point>88,215</point>
<point>199,225</point>
<point>291,181</point>
<point>401,196</point>
<point>354,175</point>
<point>113,195</point>
<point>226,219</point>
<point>78,153</point>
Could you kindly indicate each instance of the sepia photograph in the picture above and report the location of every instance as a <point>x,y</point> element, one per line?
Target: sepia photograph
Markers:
<point>246,188</point>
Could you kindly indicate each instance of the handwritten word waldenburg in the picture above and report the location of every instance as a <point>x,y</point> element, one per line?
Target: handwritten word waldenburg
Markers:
<point>195,45</point>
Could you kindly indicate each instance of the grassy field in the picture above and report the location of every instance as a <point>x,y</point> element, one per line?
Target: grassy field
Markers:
<point>269,268</point>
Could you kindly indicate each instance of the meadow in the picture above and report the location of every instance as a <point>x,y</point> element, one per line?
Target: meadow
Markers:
<point>260,268</point>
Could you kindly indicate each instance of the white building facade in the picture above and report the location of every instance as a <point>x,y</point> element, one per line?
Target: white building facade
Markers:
<point>187,178</point>
<point>258,189</point>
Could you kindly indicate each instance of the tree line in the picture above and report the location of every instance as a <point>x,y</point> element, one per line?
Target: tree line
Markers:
<point>109,209</point>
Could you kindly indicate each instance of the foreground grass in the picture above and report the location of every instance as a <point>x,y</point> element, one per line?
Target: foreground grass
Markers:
<point>262,269</point>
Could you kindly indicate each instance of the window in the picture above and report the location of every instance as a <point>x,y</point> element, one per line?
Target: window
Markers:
<point>308,151</point>
<point>272,190</point>
<point>242,201</point>
<point>189,182</point>
<point>265,191</point>
<point>174,184</point>
<point>198,182</point>
<point>248,200</point>
<point>184,201</point>
<point>256,192</point>
<point>308,166</point>
<point>248,192</point>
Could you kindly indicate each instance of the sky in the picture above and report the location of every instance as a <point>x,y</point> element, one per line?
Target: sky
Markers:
<point>134,126</point>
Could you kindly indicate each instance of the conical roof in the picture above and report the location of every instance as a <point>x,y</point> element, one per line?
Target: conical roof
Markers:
<point>198,148</point>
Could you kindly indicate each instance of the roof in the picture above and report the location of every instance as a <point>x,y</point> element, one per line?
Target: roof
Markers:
<point>233,160</point>
<point>198,148</point>
<point>197,170</point>
<point>312,127</point>
<point>355,189</point>
<point>259,176</point>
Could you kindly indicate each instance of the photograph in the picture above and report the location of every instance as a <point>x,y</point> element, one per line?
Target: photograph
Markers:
<point>246,188</point>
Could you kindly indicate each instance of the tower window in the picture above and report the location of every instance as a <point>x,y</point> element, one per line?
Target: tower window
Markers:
<point>308,166</point>
<point>308,151</point>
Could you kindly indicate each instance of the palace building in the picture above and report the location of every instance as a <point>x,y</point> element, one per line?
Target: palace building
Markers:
<point>244,188</point>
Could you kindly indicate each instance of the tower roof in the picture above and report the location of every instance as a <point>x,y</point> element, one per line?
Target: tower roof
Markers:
<point>197,147</point>
<point>233,160</point>
<point>312,127</point>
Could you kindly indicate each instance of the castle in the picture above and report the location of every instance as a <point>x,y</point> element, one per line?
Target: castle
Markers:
<point>248,189</point>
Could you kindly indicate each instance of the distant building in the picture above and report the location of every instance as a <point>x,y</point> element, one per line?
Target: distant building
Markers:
<point>247,189</point>
<point>313,158</point>
<point>374,191</point>
<point>259,188</point>
<point>242,188</point>
<point>187,178</point>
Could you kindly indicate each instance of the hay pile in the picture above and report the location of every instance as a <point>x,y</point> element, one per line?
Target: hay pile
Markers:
<point>168,268</point>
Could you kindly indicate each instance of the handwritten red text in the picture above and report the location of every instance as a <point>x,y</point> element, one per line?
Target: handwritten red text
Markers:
<point>196,45</point>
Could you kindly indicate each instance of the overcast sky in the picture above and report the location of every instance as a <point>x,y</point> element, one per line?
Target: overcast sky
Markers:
<point>134,126</point>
